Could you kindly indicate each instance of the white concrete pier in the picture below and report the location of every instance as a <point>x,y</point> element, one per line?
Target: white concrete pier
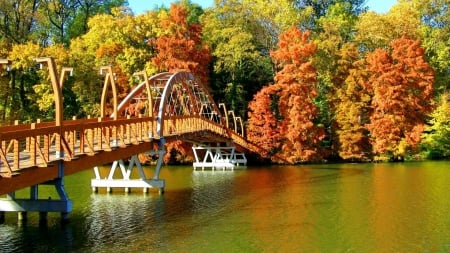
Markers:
<point>218,157</point>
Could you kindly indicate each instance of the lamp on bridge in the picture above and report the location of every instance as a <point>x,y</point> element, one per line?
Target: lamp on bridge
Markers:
<point>7,63</point>
<point>147,88</point>
<point>225,113</point>
<point>109,79</point>
<point>56,87</point>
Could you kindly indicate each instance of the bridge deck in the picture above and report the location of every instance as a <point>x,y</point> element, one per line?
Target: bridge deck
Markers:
<point>31,154</point>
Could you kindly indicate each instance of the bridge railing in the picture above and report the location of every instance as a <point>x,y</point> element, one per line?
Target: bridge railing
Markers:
<point>39,144</point>
<point>178,125</point>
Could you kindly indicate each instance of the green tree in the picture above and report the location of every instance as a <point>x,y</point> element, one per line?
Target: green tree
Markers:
<point>119,40</point>
<point>435,31</point>
<point>317,9</point>
<point>17,21</point>
<point>378,30</point>
<point>436,138</point>
<point>240,66</point>
<point>59,14</point>
<point>85,9</point>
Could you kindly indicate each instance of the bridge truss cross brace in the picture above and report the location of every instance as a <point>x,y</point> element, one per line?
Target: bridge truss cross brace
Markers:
<point>126,182</point>
<point>34,203</point>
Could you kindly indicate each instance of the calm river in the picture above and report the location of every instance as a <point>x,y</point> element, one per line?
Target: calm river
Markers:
<point>403,207</point>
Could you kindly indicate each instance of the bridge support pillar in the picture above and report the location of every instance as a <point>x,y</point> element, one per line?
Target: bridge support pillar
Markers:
<point>35,204</point>
<point>224,157</point>
<point>125,181</point>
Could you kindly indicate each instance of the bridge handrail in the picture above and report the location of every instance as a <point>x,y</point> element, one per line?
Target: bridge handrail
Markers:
<point>38,144</point>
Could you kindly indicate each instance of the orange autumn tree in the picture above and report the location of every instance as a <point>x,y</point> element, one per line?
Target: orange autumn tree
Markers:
<point>400,83</point>
<point>263,120</point>
<point>297,80</point>
<point>180,47</point>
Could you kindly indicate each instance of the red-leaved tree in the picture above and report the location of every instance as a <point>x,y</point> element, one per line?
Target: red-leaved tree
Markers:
<point>401,88</point>
<point>263,126</point>
<point>297,80</point>
<point>181,48</point>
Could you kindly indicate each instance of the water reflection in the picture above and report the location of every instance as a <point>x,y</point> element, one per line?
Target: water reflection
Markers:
<point>318,208</point>
<point>211,189</point>
<point>409,207</point>
<point>115,219</point>
<point>31,236</point>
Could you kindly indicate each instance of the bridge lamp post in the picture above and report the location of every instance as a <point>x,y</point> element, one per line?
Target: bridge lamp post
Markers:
<point>58,183</point>
<point>64,70</point>
<point>242,126</point>
<point>147,87</point>
<point>56,85</point>
<point>7,63</point>
<point>222,105</point>
<point>234,120</point>
<point>109,79</point>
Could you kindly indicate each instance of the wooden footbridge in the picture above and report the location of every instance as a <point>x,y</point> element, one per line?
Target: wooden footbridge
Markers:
<point>164,107</point>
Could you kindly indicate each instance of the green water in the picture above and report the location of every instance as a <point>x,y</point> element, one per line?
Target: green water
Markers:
<point>403,207</point>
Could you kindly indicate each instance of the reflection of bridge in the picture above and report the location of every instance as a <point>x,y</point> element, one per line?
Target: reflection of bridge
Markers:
<point>164,107</point>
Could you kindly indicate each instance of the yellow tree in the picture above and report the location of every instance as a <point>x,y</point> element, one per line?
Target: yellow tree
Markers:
<point>336,28</point>
<point>237,60</point>
<point>435,31</point>
<point>378,30</point>
<point>119,40</point>
<point>351,108</point>
<point>272,17</point>
<point>21,79</point>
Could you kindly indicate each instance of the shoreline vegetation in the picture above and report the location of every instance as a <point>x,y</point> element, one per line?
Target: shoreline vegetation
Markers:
<point>313,83</point>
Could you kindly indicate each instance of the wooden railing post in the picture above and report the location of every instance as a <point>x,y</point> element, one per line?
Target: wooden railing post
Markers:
<point>128,131</point>
<point>33,146</point>
<point>99,135</point>
<point>16,151</point>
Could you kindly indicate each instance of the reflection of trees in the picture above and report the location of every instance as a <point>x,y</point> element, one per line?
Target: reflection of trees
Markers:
<point>115,218</point>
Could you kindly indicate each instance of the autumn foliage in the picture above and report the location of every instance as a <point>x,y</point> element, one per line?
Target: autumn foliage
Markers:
<point>401,88</point>
<point>264,124</point>
<point>310,81</point>
<point>351,103</point>
<point>181,48</point>
<point>296,134</point>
